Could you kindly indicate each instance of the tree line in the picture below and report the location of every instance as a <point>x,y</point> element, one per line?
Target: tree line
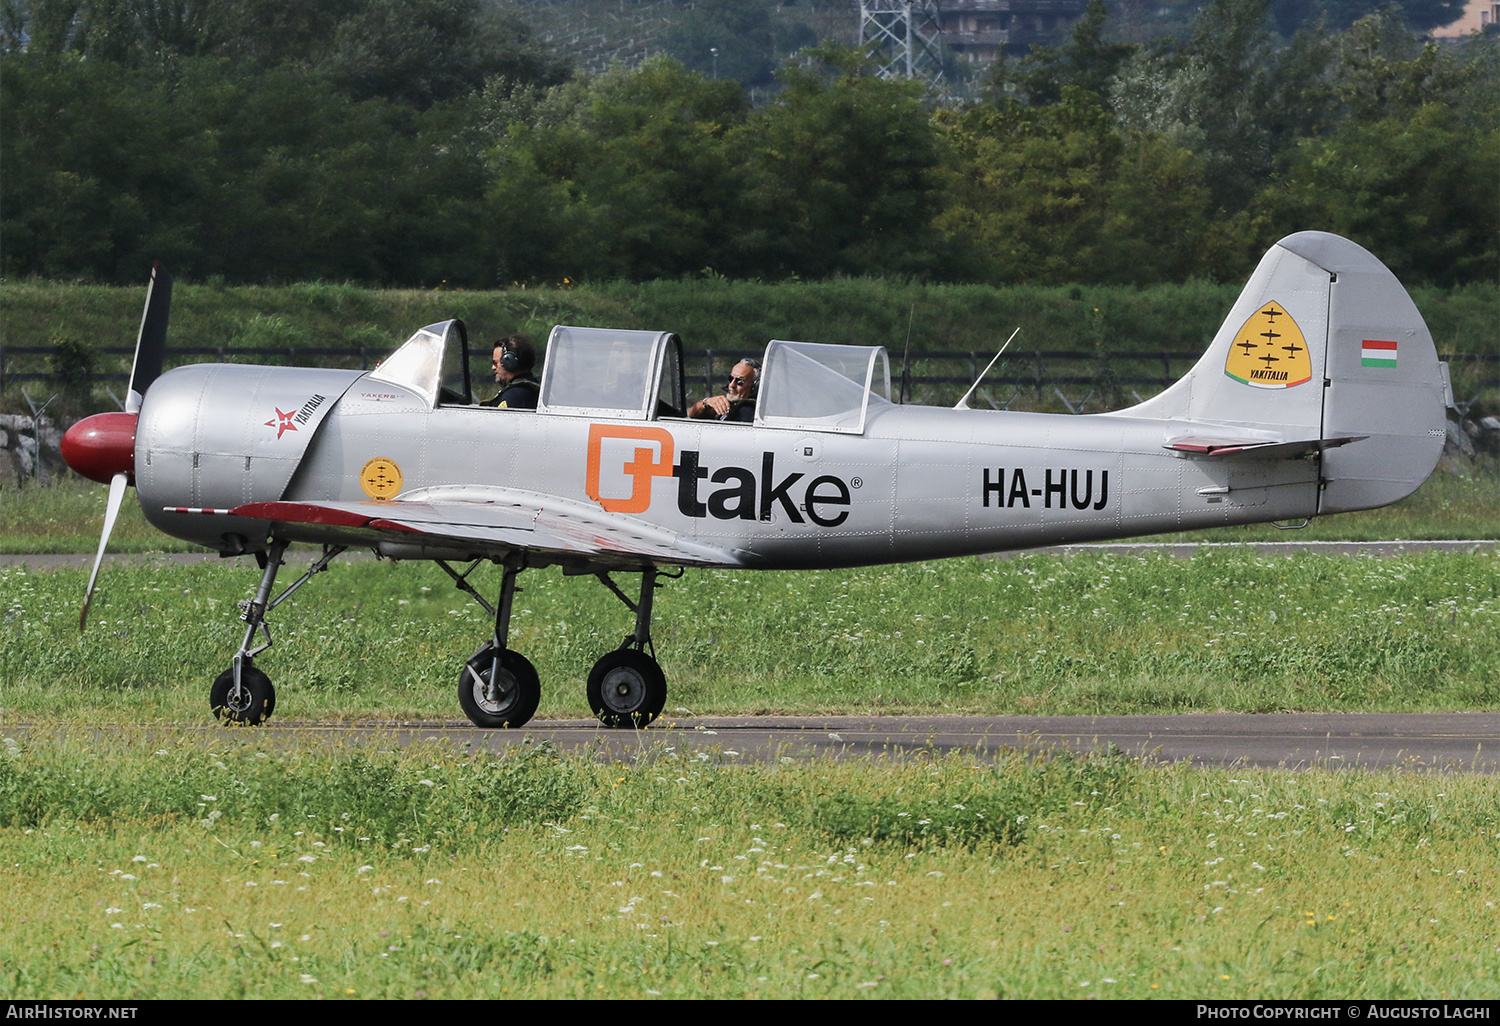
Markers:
<point>430,142</point>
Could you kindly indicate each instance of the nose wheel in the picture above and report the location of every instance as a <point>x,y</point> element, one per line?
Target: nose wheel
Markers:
<point>627,689</point>
<point>251,703</point>
<point>498,688</point>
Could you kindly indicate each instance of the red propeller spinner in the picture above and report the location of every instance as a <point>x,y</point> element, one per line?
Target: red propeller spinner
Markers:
<point>101,446</point>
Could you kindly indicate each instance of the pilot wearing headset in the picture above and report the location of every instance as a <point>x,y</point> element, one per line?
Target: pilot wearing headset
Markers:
<point>739,404</point>
<point>514,357</point>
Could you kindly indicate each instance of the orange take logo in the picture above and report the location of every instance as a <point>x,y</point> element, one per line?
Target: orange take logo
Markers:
<point>649,462</point>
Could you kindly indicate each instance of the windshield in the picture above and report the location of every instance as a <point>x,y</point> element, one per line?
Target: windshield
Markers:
<point>419,364</point>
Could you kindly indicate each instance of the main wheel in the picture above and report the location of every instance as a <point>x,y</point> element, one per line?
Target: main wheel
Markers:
<point>255,702</point>
<point>508,701</point>
<point>627,689</point>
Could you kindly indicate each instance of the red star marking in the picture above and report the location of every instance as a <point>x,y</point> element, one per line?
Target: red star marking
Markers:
<point>282,422</point>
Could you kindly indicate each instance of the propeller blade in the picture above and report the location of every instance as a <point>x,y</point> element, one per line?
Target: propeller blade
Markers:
<point>151,342</point>
<point>111,511</point>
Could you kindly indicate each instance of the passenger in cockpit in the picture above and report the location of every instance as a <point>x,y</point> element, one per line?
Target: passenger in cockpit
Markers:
<point>739,404</point>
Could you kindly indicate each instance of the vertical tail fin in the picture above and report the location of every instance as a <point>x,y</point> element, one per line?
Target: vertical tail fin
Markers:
<point>1383,380</point>
<point>1324,343</point>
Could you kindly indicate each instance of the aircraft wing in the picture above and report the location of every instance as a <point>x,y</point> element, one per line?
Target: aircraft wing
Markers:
<point>1257,449</point>
<point>496,521</point>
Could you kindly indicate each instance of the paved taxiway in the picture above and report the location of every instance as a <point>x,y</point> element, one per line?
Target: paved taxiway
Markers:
<point>1444,742</point>
<point>1420,741</point>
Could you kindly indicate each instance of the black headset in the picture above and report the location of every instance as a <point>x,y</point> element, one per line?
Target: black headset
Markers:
<point>508,358</point>
<point>753,364</point>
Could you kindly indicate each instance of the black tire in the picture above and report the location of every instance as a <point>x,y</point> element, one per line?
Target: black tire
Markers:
<point>521,689</point>
<point>627,689</point>
<point>254,707</point>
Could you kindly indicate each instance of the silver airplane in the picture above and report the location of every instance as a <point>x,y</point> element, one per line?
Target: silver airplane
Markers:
<point>1321,393</point>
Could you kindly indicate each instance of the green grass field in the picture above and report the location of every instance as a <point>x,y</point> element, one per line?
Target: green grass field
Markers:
<point>1226,630</point>
<point>158,862</point>
<point>159,865</point>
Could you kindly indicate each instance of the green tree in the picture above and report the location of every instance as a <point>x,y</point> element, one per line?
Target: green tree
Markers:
<point>1055,194</point>
<point>1418,189</point>
<point>274,176</point>
<point>844,169</point>
<point>1230,94</point>
<point>1088,61</point>
<point>417,52</point>
<point>1384,70</point>
<point>624,175</point>
<point>724,39</point>
<point>1292,16</point>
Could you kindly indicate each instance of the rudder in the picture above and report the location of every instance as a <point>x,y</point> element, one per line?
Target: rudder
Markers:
<point>1382,380</point>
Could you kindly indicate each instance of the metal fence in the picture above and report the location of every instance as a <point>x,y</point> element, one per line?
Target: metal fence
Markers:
<point>1071,380</point>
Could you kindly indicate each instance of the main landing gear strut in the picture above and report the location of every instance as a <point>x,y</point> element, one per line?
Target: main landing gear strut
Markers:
<point>497,687</point>
<point>626,687</point>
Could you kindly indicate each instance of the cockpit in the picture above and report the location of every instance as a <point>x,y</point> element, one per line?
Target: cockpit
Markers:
<point>617,374</point>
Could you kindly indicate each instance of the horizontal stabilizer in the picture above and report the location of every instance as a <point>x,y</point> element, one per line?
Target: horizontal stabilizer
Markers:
<point>1258,449</point>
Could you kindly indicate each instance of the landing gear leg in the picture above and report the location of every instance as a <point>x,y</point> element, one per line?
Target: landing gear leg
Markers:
<point>242,693</point>
<point>497,687</point>
<point>627,688</point>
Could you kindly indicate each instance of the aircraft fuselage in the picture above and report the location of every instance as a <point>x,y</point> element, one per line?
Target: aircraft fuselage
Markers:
<point>919,483</point>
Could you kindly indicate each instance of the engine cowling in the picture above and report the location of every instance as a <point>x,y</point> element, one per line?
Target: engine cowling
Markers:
<point>211,437</point>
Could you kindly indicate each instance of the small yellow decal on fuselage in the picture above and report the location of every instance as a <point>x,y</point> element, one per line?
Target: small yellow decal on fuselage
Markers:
<point>380,478</point>
<point>1269,351</point>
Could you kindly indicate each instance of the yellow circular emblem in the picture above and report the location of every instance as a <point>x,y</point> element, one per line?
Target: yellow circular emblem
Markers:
<point>380,478</point>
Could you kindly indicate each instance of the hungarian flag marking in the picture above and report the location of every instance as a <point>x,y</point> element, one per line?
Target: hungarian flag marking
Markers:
<point>1374,353</point>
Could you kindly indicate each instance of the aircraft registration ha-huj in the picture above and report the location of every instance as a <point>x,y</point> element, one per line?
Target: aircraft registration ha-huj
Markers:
<point>1321,393</point>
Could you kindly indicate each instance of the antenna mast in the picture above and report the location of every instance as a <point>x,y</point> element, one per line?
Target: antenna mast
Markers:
<point>905,38</point>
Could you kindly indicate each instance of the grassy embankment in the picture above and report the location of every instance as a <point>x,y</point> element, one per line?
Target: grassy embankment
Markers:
<point>730,317</point>
<point>161,866</point>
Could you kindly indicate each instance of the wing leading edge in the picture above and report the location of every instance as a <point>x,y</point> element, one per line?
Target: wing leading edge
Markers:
<point>496,521</point>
